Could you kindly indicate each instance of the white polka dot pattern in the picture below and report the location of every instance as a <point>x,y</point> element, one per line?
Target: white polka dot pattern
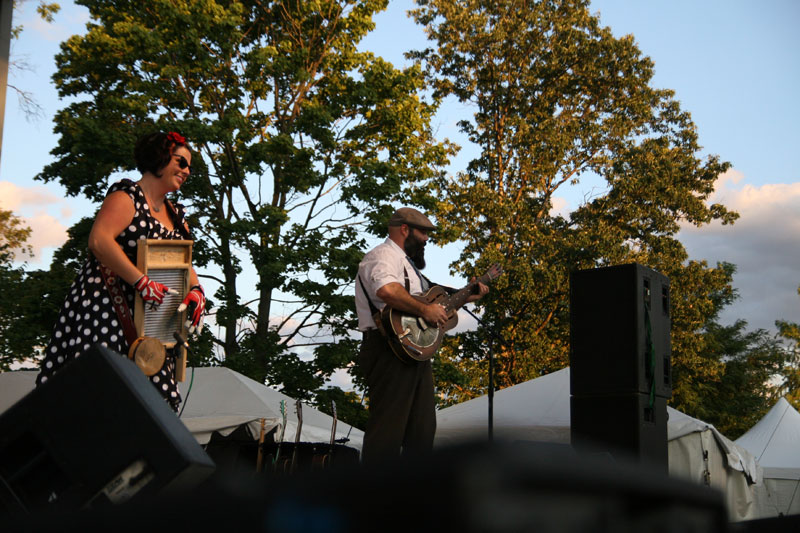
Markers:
<point>96,320</point>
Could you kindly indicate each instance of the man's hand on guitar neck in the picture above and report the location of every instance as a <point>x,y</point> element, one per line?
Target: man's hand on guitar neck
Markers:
<point>396,296</point>
<point>481,291</point>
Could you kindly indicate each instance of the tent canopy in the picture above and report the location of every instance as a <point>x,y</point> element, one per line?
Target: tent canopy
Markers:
<point>539,410</point>
<point>775,441</point>
<point>221,400</point>
<point>15,385</point>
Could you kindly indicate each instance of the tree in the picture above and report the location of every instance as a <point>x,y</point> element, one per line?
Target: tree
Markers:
<point>14,235</point>
<point>753,363</point>
<point>32,298</point>
<point>559,100</point>
<point>790,387</point>
<point>13,239</point>
<point>301,142</point>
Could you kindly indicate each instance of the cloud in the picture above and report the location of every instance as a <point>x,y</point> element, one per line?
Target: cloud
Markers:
<point>47,232</point>
<point>31,205</point>
<point>16,198</point>
<point>764,244</point>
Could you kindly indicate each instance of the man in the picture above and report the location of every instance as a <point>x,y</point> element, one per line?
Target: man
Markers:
<point>401,395</point>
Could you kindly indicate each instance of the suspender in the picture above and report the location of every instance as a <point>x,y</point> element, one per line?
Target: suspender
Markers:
<point>372,307</point>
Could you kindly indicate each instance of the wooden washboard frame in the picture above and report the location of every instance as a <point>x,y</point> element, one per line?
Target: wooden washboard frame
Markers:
<point>168,262</point>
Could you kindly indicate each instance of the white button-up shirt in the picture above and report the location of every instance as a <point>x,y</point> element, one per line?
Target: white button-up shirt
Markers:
<point>382,265</point>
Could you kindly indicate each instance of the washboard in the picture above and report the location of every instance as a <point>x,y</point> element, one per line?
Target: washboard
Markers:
<point>168,262</point>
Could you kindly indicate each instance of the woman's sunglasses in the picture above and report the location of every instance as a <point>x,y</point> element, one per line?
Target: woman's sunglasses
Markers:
<point>183,163</point>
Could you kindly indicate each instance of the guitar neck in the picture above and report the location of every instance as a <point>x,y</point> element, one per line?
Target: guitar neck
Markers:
<point>459,298</point>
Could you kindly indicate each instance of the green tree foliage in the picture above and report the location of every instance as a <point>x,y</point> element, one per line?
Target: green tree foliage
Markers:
<point>13,240</point>
<point>558,100</point>
<point>749,384</point>
<point>32,299</point>
<point>14,235</point>
<point>301,142</point>
<point>790,332</point>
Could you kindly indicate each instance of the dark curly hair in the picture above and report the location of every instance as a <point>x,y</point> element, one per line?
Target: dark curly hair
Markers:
<point>154,150</point>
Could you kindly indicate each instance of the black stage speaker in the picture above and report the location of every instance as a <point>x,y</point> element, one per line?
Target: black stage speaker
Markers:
<point>94,434</point>
<point>620,331</point>
<point>630,426</point>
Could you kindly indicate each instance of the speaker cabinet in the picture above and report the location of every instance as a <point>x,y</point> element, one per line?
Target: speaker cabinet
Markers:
<point>620,331</point>
<point>94,434</point>
<point>630,426</point>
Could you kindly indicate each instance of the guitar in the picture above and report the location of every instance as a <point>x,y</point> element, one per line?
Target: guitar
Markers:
<point>410,336</point>
<point>299,409</point>
<point>324,460</point>
<point>279,464</point>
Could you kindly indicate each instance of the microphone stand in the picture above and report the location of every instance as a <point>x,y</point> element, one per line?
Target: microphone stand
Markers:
<point>495,336</point>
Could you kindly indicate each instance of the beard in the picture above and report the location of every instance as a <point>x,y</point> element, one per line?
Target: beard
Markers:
<point>415,249</point>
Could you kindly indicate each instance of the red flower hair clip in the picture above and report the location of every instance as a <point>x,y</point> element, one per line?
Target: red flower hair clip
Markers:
<point>177,138</point>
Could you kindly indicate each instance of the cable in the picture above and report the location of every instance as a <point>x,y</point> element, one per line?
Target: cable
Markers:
<point>188,391</point>
<point>182,342</point>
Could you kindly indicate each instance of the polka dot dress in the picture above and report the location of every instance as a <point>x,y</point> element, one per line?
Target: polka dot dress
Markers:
<point>88,316</point>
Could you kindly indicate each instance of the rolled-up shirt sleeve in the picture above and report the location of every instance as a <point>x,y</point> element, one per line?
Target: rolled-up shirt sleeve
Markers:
<point>383,265</point>
<point>382,273</point>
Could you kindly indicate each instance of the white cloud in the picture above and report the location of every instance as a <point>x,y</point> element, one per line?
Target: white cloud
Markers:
<point>764,244</point>
<point>15,198</point>
<point>47,232</point>
<point>30,205</point>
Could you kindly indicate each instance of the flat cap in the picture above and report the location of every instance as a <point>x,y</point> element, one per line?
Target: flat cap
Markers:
<point>412,217</point>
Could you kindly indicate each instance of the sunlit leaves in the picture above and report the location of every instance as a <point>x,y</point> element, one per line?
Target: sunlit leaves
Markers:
<point>556,98</point>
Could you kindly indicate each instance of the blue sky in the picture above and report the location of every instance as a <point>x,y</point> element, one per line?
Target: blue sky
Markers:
<point>734,65</point>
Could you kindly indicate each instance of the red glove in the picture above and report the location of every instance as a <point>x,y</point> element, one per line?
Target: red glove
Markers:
<point>152,291</point>
<point>195,305</point>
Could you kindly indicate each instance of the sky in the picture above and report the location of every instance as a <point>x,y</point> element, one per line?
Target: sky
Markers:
<point>734,65</point>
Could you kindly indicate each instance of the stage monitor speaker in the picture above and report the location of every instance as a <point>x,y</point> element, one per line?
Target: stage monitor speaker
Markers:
<point>620,331</point>
<point>96,433</point>
<point>629,426</point>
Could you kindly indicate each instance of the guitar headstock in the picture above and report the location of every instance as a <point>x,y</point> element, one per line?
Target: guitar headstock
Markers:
<point>494,271</point>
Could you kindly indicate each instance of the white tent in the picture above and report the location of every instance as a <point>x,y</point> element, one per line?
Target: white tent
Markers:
<point>775,442</point>
<point>15,385</point>
<point>221,400</point>
<point>539,410</point>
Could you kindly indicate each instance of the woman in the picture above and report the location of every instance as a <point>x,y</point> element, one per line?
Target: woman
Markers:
<point>130,212</point>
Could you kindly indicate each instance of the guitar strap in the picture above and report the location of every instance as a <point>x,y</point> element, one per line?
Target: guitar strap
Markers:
<point>120,305</point>
<point>424,282</point>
